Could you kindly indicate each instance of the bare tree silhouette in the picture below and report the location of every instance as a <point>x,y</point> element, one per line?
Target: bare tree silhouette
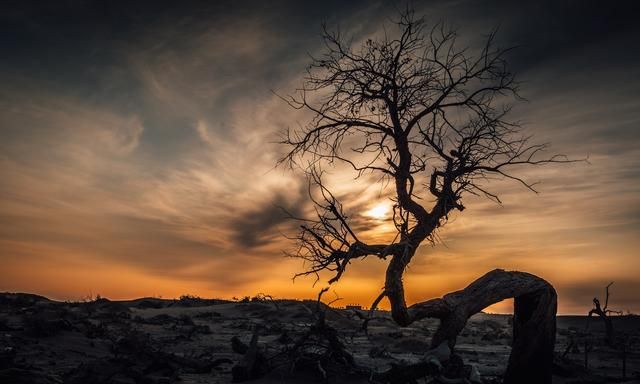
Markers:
<point>604,312</point>
<point>415,109</point>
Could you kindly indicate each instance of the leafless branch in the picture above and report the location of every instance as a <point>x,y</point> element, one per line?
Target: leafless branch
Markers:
<point>419,110</point>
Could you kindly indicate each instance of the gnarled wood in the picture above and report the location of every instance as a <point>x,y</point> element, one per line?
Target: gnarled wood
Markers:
<point>534,324</point>
<point>253,364</point>
<point>396,97</point>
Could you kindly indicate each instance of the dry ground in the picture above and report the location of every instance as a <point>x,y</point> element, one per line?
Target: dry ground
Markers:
<point>154,341</point>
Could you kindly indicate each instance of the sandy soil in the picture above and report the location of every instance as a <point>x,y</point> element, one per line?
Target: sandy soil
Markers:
<point>158,341</point>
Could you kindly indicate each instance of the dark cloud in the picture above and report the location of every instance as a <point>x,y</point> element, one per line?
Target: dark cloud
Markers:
<point>544,30</point>
<point>264,224</point>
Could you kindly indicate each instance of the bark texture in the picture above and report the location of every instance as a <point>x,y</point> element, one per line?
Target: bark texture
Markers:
<point>534,323</point>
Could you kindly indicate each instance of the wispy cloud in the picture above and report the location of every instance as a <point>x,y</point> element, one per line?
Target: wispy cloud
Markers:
<point>145,149</point>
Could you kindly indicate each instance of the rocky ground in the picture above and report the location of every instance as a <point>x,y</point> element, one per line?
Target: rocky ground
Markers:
<point>192,340</point>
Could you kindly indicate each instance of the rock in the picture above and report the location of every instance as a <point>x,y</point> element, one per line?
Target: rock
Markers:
<point>45,323</point>
<point>4,325</point>
<point>475,376</point>
<point>410,344</point>
<point>434,364</point>
<point>7,354</point>
<point>20,300</point>
<point>238,346</point>
<point>284,338</point>
<point>122,379</point>
<point>161,319</point>
<point>378,352</point>
<point>150,303</point>
<point>441,353</point>
<point>252,365</point>
<point>107,309</point>
<point>455,368</point>
<point>26,376</point>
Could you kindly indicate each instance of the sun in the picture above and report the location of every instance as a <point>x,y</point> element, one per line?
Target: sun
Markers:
<point>379,211</point>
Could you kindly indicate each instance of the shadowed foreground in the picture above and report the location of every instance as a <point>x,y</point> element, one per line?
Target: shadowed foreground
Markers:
<point>190,341</point>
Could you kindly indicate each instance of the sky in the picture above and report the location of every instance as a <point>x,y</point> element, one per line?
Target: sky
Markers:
<point>139,142</point>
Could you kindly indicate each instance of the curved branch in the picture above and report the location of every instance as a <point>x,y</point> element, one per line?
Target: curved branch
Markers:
<point>534,324</point>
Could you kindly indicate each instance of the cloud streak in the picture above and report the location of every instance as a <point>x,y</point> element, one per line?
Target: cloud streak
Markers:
<point>149,154</point>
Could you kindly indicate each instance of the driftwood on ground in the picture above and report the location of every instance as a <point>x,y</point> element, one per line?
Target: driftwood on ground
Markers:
<point>534,325</point>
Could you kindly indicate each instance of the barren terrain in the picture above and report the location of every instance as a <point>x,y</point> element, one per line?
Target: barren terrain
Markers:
<point>191,340</point>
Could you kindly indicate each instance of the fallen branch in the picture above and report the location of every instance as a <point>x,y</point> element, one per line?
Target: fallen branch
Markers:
<point>534,324</point>
<point>253,364</point>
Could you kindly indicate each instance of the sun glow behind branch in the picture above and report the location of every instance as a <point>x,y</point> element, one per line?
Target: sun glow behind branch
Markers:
<point>379,211</point>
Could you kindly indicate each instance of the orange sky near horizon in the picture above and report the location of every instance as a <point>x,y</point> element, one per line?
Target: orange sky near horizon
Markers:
<point>471,245</point>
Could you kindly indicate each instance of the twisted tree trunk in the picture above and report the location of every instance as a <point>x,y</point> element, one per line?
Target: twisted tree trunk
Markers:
<point>534,325</point>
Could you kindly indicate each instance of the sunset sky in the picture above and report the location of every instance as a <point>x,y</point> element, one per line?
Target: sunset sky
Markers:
<point>138,150</point>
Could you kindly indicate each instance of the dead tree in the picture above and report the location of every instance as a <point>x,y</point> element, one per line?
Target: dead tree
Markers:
<point>604,312</point>
<point>319,348</point>
<point>416,110</point>
<point>324,343</point>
